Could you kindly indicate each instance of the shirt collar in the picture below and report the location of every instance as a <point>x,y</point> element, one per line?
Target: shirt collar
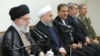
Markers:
<point>74,17</point>
<point>63,21</point>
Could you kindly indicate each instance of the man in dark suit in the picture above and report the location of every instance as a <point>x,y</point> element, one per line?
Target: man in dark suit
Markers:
<point>60,22</point>
<point>79,33</point>
<point>46,28</point>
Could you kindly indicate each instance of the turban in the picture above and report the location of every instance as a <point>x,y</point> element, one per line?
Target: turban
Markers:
<point>44,10</point>
<point>18,11</point>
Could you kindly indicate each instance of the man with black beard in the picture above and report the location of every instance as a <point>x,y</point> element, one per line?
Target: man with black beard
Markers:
<point>45,26</point>
<point>17,40</point>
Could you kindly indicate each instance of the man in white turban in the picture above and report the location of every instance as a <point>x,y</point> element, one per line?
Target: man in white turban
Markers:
<point>46,27</point>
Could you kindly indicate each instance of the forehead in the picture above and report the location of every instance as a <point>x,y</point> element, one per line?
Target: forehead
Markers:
<point>64,8</point>
<point>26,16</point>
<point>84,6</point>
<point>75,6</point>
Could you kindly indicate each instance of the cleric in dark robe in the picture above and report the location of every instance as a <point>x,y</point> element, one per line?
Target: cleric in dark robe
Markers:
<point>17,35</point>
<point>46,28</point>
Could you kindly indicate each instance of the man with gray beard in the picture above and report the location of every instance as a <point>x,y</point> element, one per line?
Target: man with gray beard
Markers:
<point>46,28</point>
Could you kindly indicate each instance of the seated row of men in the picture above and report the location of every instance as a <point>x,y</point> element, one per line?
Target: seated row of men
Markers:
<point>59,34</point>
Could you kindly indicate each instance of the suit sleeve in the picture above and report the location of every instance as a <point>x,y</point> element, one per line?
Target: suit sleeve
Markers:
<point>79,36</point>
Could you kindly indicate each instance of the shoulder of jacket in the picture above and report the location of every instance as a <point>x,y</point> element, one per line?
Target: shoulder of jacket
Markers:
<point>87,17</point>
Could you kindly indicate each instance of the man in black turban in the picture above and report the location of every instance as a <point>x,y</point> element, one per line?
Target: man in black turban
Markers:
<point>17,35</point>
<point>18,11</point>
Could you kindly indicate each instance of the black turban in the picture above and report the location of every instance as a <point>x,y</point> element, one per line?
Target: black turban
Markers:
<point>18,11</point>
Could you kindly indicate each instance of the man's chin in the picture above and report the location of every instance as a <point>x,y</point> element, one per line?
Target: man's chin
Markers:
<point>65,18</point>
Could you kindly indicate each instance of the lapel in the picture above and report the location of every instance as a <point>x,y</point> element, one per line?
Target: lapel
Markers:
<point>78,26</point>
<point>58,19</point>
<point>74,22</point>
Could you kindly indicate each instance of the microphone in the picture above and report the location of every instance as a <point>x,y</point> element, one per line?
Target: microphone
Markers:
<point>40,32</point>
<point>67,26</point>
<point>37,34</point>
<point>40,37</point>
<point>43,40</point>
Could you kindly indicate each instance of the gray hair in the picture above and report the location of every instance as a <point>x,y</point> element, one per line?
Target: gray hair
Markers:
<point>81,5</point>
<point>71,4</point>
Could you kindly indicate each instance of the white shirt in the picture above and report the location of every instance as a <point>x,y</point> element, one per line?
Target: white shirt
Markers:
<point>63,21</point>
<point>16,27</point>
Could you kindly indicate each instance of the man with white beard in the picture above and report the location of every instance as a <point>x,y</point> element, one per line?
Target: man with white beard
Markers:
<point>17,40</point>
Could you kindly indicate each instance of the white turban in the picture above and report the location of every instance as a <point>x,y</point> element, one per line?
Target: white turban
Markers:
<point>44,10</point>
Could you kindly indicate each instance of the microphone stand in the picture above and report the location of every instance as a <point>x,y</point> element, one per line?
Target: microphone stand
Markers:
<point>69,30</point>
<point>42,37</point>
<point>70,33</point>
<point>15,49</point>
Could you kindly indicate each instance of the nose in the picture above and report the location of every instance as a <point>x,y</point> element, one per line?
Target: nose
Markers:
<point>66,13</point>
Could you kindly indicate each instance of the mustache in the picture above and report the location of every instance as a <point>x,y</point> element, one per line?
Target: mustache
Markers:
<point>66,14</point>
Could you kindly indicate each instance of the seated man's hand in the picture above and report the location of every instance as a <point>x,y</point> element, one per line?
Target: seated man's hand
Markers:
<point>41,54</point>
<point>62,51</point>
<point>96,41</point>
<point>75,45</point>
<point>87,40</point>
<point>79,45</point>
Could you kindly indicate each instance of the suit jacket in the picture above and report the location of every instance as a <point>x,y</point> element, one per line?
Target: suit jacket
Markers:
<point>12,40</point>
<point>86,23</point>
<point>62,31</point>
<point>44,29</point>
<point>78,32</point>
